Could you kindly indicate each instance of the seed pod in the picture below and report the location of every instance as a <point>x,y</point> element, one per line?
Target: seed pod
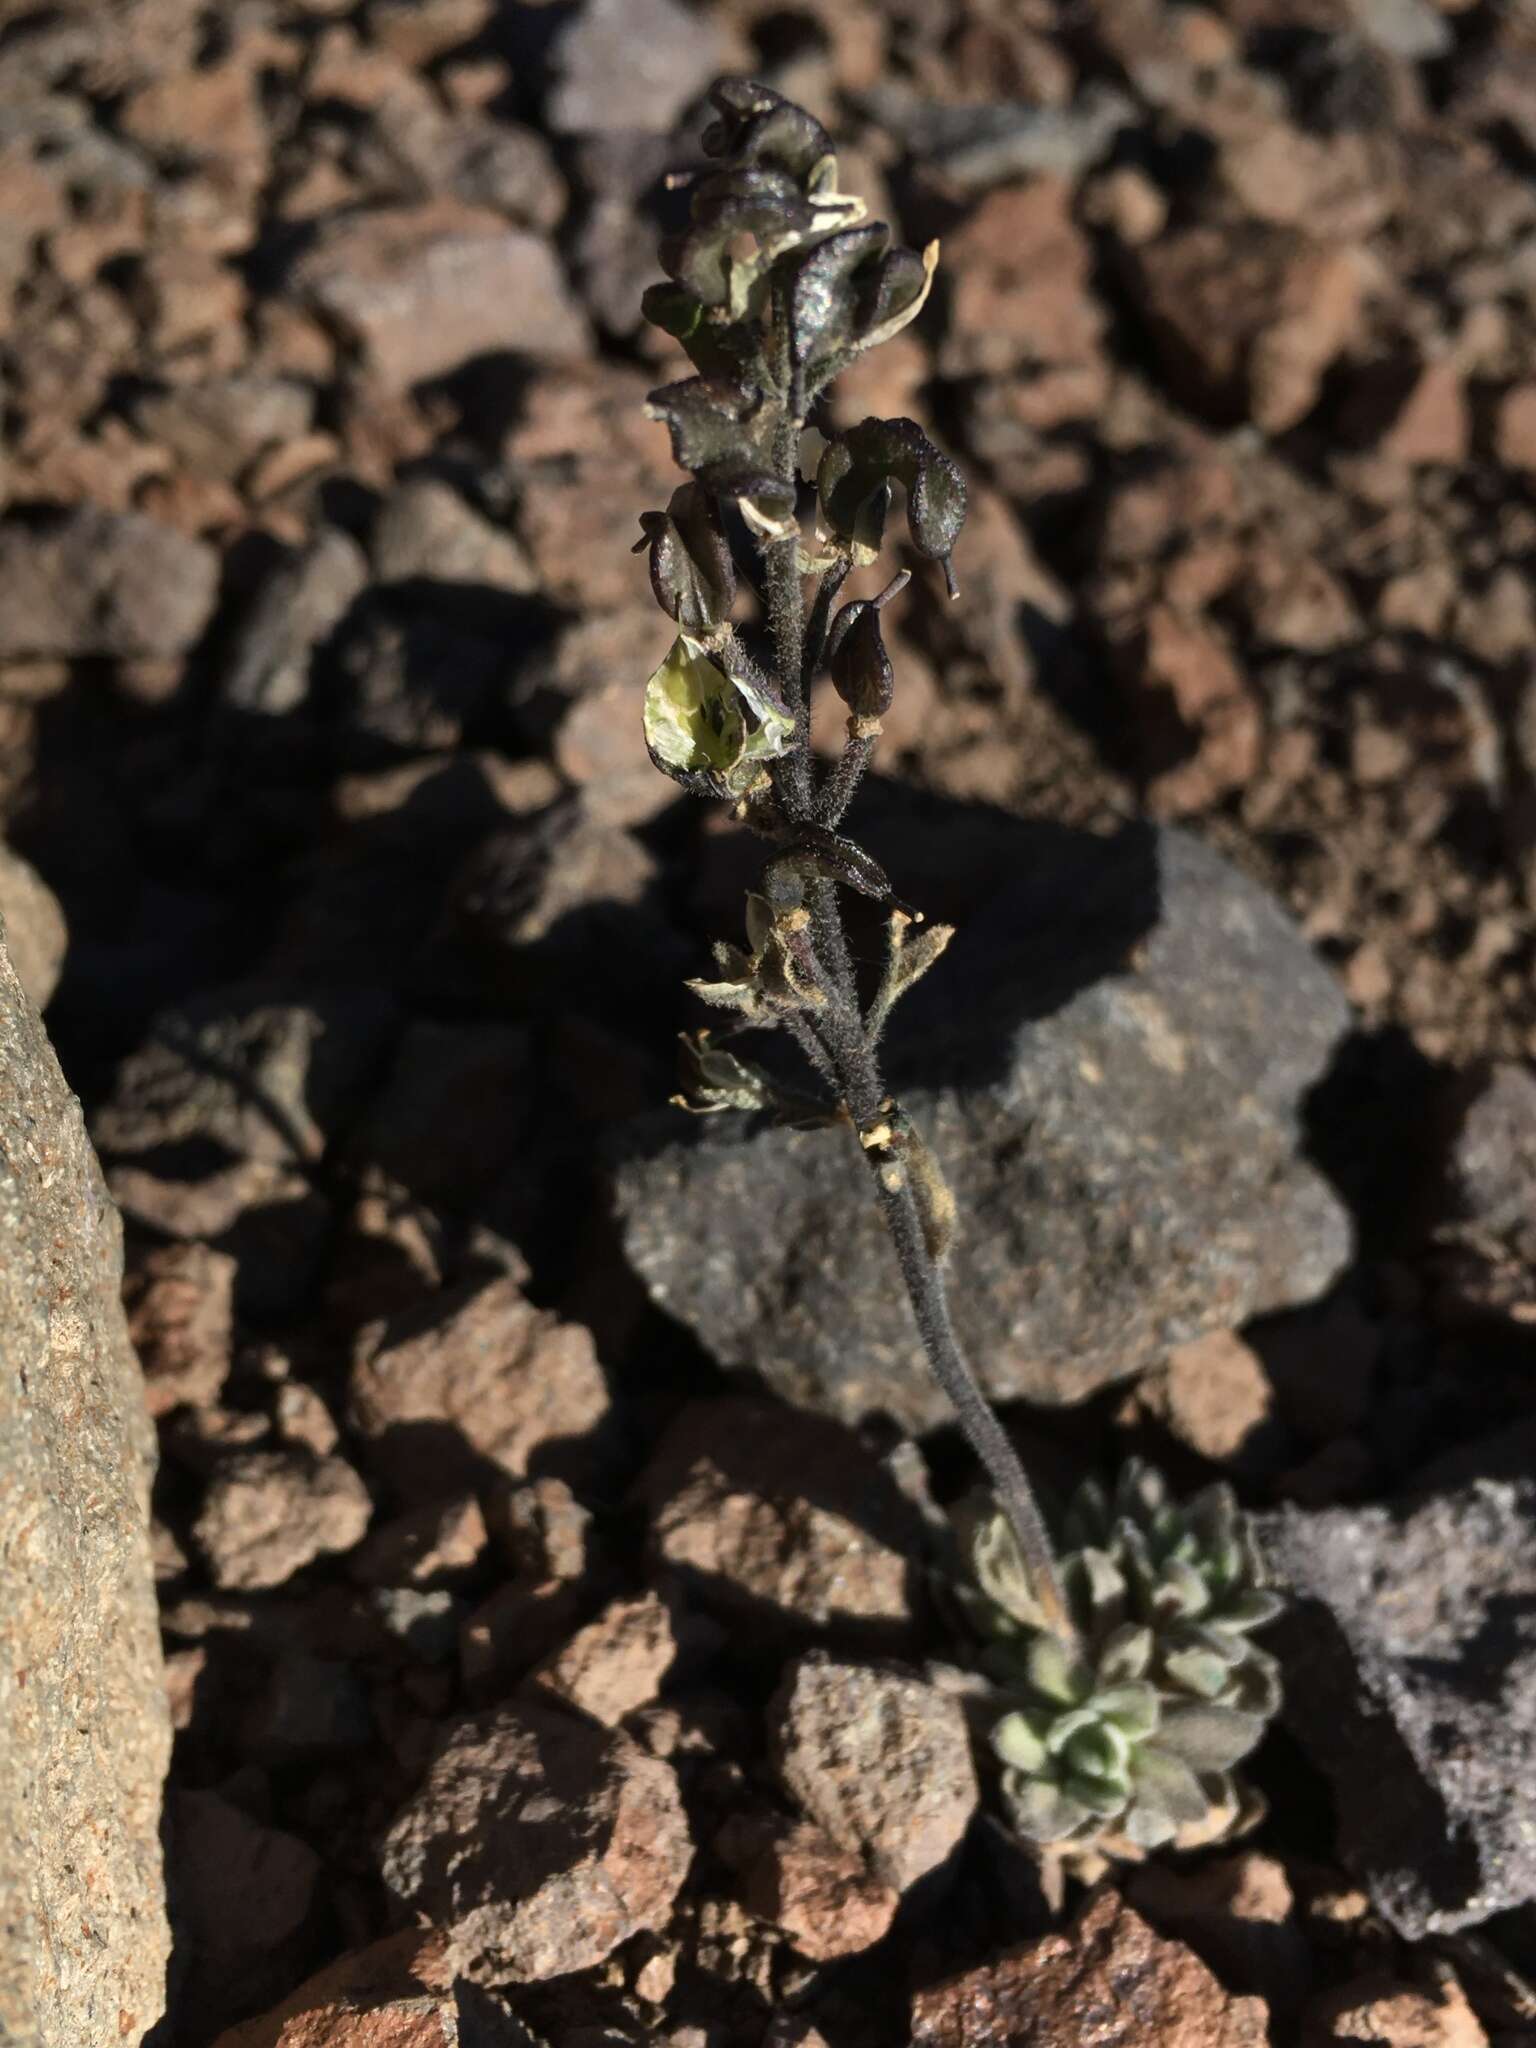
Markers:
<point>861,668</point>
<point>692,572</point>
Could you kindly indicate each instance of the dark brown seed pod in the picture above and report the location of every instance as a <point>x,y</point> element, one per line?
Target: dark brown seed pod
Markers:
<point>861,669</point>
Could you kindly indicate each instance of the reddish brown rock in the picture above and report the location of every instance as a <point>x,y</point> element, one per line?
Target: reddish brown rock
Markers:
<point>431,1546</point>
<point>539,1841</point>
<point>1204,687</point>
<point>1433,422</point>
<point>821,1896</point>
<point>1108,1981</point>
<point>242,1885</point>
<point>397,1994</point>
<point>180,1302</point>
<point>1238,1913</point>
<point>1514,432</point>
<point>1019,271</point>
<point>780,1521</point>
<point>421,290</point>
<point>269,1513</point>
<point>1379,2011</point>
<point>879,1760</point>
<point>478,1378</point>
<point>1213,1395</point>
<point>1249,317</point>
<point>617,1663</point>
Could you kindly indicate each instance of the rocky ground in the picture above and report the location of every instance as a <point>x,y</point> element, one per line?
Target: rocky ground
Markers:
<point>529,1578</point>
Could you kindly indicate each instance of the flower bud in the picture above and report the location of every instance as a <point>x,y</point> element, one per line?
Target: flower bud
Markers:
<point>861,668</point>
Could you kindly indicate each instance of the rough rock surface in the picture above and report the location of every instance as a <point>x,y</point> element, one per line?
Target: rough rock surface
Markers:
<point>1115,1097</point>
<point>267,1514</point>
<point>782,1524</point>
<point>100,583</point>
<point>482,1377</point>
<point>540,1841</point>
<point>398,1993</point>
<point>879,1760</point>
<point>1108,1981</point>
<point>420,290</point>
<point>83,1935</point>
<point>1411,1678</point>
<point>32,927</point>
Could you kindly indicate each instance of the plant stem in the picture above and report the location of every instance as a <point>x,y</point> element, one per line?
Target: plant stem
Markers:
<point>857,1070</point>
<point>983,1432</point>
<point>843,1046</point>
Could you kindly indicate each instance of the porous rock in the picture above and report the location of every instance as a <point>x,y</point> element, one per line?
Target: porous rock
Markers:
<point>1410,1660</point>
<point>540,1841</point>
<point>1111,1065</point>
<point>633,64</point>
<point>879,1760</point>
<point>297,608</point>
<point>397,1993</point>
<point>32,927</point>
<point>421,290</point>
<point>783,1525</point>
<point>617,1663</point>
<point>83,1932</point>
<point>180,1300</point>
<point>475,1381</point>
<point>1107,1979</point>
<point>89,582</point>
<point>270,1513</point>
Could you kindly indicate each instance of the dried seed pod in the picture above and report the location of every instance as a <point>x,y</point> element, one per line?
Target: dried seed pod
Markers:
<point>861,669</point>
<point>867,459</point>
<point>692,572</point>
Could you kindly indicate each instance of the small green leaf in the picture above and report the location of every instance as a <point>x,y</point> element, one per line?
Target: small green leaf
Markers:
<point>1198,1670</point>
<point>1166,1782</point>
<point>1041,1810</point>
<point>1098,1751</point>
<point>1134,1709</point>
<point>1126,1654</point>
<point>1208,1737</point>
<point>1057,1672</point>
<point>1018,1743</point>
<point>1098,1795</point>
<point>1253,1609</point>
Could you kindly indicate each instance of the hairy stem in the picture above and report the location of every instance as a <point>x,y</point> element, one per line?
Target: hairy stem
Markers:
<point>837,792</point>
<point>841,1048</point>
<point>859,1084</point>
<point>985,1434</point>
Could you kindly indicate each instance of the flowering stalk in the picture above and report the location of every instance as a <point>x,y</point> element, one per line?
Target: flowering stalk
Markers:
<point>776,285</point>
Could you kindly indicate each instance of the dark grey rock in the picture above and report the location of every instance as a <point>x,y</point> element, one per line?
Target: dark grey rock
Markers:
<point>447,1121</point>
<point>1114,1059</point>
<point>89,582</point>
<point>975,147</point>
<point>632,64</point>
<point>1485,1258</point>
<point>85,1732</point>
<point>297,609</point>
<point>425,530</point>
<point>1410,1665</point>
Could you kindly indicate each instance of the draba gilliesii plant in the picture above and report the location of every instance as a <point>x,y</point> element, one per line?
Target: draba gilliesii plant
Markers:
<point>776,284</point>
